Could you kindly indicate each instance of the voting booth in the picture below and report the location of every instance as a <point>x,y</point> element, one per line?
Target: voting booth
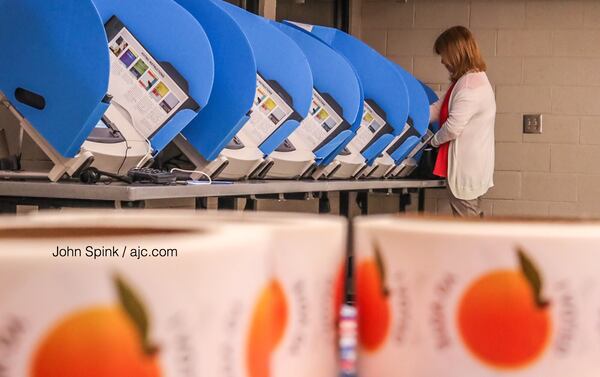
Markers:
<point>162,72</point>
<point>227,111</point>
<point>55,71</point>
<point>334,116</point>
<point>411,162</point>
<point>415,132</point>
<point>240,96</point>
<point>281,99</point>
<point>119,81</point>
<point>385,106</point>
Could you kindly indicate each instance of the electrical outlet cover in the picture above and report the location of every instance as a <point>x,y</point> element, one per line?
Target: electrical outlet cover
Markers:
<point>532,123</point>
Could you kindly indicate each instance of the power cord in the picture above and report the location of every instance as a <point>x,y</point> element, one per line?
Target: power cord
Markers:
<point>193,171</point>
<point>149,151</point>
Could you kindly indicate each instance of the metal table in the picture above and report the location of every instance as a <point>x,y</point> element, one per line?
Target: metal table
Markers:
<point>74,194</point>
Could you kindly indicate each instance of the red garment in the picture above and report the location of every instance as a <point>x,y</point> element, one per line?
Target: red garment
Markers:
<point>441,163</point>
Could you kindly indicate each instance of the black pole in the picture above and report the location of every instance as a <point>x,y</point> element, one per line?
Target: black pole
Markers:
<point>341,15</point>
<point>252,6</point>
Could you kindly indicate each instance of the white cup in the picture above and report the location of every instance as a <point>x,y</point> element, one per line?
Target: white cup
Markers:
<point>465,298</point>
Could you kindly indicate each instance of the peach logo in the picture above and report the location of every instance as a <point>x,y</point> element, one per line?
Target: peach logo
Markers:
<point>267,327</point>
<point>100,341</point>
<point>503,318</point>
<point>372,302</point>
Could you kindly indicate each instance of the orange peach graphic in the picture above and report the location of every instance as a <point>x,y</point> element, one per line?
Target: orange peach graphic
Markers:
<point>102,341</point>
<point>372,303</point>
<point>267,327</point>
<point>503,319</point>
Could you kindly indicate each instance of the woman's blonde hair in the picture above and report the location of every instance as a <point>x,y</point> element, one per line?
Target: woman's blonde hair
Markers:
<point>461,51</point>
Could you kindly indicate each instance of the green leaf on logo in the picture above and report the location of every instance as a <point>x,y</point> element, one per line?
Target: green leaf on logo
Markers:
<point>381,270</point>
<point>534,278</point>
<point>136,311</point>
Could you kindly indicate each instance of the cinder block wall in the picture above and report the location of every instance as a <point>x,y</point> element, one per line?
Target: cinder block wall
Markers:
<point>318,12</point>
<point>543,56</point>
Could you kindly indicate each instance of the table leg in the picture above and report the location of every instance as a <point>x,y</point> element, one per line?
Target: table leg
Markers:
<point>7,206</point>
<point>227,203</point>
<point>344,203</point>
<point>324,203</point>
<point>250,204</point>
<point>405,200</point>
<point>362,200</point>
<point>421,193</point>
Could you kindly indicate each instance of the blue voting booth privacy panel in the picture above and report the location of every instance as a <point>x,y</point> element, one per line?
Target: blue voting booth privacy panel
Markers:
<point>344,138</point>
<point>173,35</point>
<point>58,50</point>
<point>418,112</point>
<point>380,80</point>
<point>332,74</point>
<point>418,101</point>
<point>432,98</point>
<point>278,58</point>
<point>235,80</point>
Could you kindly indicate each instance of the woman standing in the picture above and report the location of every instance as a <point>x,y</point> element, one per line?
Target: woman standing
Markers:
<point>466,114</point>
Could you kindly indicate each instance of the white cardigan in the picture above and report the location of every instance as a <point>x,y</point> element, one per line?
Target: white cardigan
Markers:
<point>470,131</point>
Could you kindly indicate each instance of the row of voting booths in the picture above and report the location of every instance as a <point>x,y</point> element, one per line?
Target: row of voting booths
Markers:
<point>204,87</point>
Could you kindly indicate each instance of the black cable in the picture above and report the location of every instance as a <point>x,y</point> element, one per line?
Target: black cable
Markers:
<point>124,158</point>
<point>93,175</point>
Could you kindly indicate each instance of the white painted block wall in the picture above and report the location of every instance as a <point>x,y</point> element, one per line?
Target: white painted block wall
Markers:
<point>543,56</point>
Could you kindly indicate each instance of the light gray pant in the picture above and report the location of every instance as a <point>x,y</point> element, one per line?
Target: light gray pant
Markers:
<point>464,208</point>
